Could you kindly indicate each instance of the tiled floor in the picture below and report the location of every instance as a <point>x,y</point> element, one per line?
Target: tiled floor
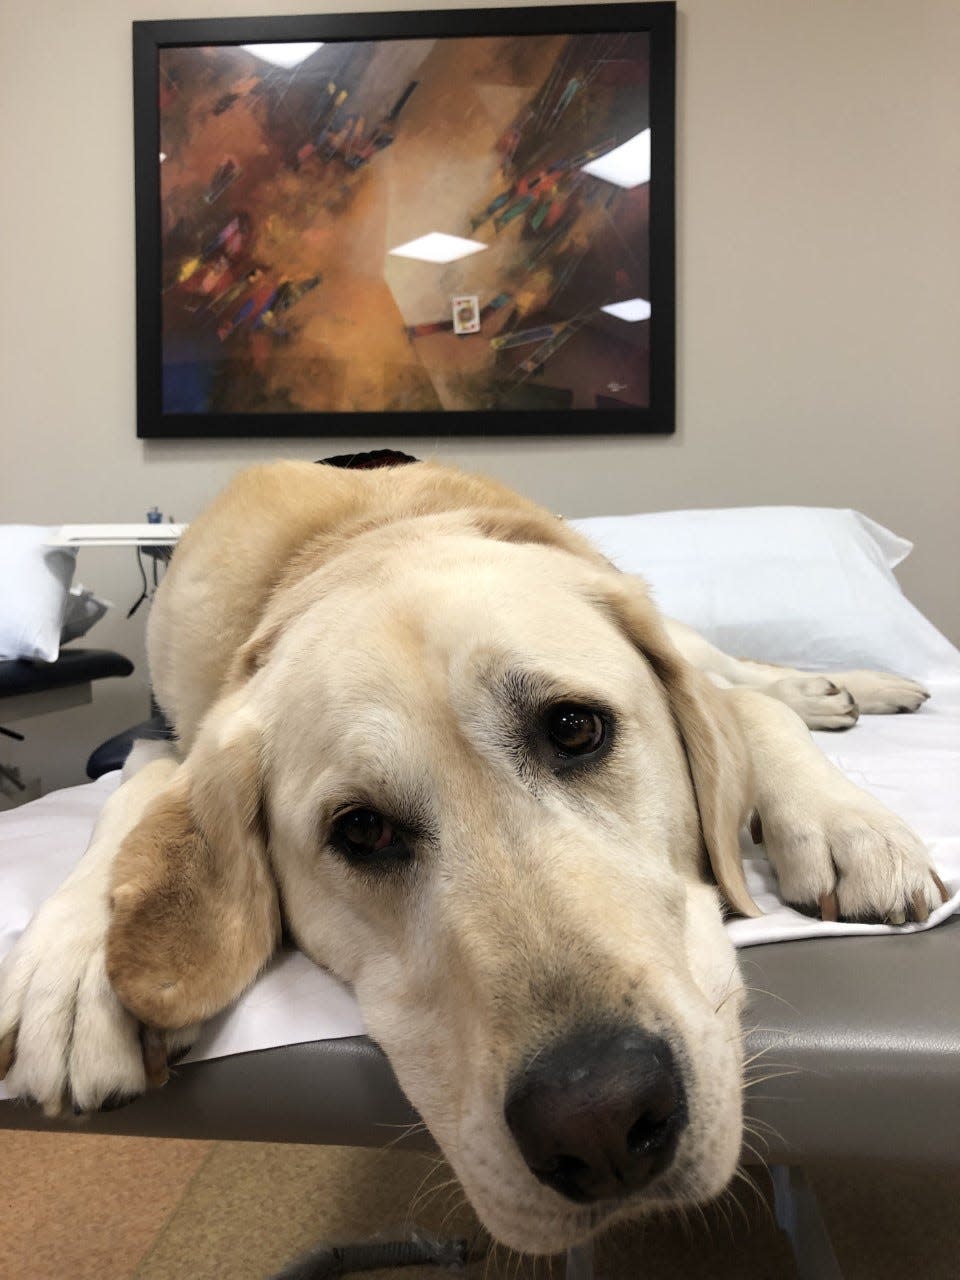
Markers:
<point>97,1208</point>
<point>87,1206</point>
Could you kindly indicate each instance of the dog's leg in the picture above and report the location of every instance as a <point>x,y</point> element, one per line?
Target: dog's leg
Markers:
<point>827,701</point>
<point>64,1036</point>
<point>836,850</point>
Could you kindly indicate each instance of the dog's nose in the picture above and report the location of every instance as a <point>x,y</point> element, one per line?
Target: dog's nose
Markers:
<point>597,1115</point>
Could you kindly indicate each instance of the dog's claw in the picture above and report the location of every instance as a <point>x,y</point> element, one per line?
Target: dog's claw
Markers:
<point>919,911</point>
<point>154,1048</point>
<point>8,1048</point>
<point>829,906</point>
<point>944,891</point>
<point>52,1107</point>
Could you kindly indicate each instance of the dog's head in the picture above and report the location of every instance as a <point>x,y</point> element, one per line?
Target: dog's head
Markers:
<point>482,786</point>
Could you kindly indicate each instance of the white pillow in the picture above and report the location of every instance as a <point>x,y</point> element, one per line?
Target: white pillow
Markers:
<point>808,586</point>
<point>34,580</point>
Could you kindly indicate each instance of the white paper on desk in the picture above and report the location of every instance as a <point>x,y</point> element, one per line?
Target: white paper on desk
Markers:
<point>290,1003</point>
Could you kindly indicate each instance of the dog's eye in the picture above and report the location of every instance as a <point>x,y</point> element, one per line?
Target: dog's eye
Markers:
<point>575,730</point>
<point>366,836</point>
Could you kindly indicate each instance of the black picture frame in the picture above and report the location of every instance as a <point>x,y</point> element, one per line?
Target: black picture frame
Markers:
<point>150,39</point>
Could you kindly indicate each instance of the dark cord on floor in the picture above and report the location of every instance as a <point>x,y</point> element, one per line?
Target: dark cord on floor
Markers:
<point>325,1262</point>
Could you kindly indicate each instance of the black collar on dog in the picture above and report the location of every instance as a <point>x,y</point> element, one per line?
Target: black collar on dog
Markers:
<point>369,461</point>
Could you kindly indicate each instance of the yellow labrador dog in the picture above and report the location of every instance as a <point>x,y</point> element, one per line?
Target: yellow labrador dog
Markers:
<point>426,726</point>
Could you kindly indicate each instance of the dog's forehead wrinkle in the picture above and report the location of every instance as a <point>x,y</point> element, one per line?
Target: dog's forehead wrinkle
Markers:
<point>467,587</point>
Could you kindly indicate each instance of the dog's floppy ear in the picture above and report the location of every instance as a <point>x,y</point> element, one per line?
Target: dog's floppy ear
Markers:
<point>195,914</point>
<point>717,754</point>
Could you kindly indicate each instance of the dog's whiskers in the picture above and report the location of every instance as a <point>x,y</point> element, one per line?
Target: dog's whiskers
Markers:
<point>755,1133</point>
<point>754,1152</point>
<point>682,1212</point>
<point>406,1131</point>
<point>473,1248</point>
<point>722,1207</point>
<point>762,991</point>
<point>743,1034</point>
<point>765,1065</point>
<point>756,1126</point>
<point>460,1202</point>
<point>741,1175</point>
<point>521,1263</point>
<point>536,1054</point>
<point>733,986</point>
<point>495,1255</point>
<point>514,1259</point>
<point>757,1055</point>
<point>703,1215</point>
<point>773,1075</point>
<point>732,1201</point>
<point>486,1264</point>
<point>431,1194</point>
<point>435,1164</point>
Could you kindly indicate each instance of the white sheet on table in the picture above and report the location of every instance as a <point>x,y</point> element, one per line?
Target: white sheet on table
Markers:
<point>911,762</point>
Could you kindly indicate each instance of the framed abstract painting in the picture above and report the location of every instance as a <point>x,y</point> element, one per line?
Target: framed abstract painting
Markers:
<point>406,224</point>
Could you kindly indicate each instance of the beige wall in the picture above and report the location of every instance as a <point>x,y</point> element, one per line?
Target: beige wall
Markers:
<point>819,296</point>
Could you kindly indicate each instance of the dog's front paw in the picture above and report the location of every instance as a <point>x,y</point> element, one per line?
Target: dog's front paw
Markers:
<point>853,862</point>
<point>877,693</point>
<point>819,701</point>
<point>65,1039</point>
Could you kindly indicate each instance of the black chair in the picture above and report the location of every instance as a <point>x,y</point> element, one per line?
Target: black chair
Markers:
<point>29,688</point>
<point>113,753</point>
<point>22,677</point>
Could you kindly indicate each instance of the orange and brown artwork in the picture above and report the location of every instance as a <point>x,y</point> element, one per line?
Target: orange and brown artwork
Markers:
<point>406,225</point>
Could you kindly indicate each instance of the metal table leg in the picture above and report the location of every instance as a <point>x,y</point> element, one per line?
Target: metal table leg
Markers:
<point>580,1262</point>
<point>799,1217</point>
